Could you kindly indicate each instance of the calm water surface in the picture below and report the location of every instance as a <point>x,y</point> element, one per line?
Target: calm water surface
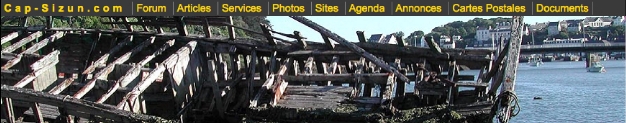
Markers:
<point>570,93</point>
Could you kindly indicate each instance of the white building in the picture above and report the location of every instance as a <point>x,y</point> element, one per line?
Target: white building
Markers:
<point>501,30</point>
<point>482,33</point>
<point>574,25</point>
<point>597,21</point>
<point>447,42</point>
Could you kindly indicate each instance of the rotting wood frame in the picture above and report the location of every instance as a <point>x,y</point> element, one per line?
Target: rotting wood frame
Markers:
<point>238,73</point>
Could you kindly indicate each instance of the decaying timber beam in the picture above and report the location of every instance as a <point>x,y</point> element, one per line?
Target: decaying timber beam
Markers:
<point>134,72</point>
<point>109,68</point>
<point>10,37</point>
<point>507,91</point>
<point>69,103</point>
<point>495,70</point>
<point>273,78</point>
<point>22,42</point>
<point>281,84</point>
<point>104,58</point>
<point>32,49</point>
<point>317,52</point>
<point>374,78</point>
<point>155,73</point>
<point>61,86</point>
<point>39,67</point>
<point>45,42</point>
<point>351,46</point>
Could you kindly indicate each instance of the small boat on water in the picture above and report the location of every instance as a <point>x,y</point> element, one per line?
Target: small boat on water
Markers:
<point>596,67</point>
<point>535,61</point>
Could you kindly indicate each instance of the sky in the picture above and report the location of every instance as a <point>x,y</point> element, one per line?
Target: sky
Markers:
<point>346,26</point>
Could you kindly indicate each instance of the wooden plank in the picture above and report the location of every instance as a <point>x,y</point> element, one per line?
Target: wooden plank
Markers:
<point>508,87</point>
<point>351,46</point>
<point>134,72</point>
<point>10,37</point>
<point>61,86</point>
<point>62,101</point>
<point>12,62</point>
<point>22,42</point>
<point>104,58</point>
<point>270,82</point>
<point>39,67</point>
<point>44,42</point>
<point>155,73</point>
<point>109,68</point>
<point>46,60</point>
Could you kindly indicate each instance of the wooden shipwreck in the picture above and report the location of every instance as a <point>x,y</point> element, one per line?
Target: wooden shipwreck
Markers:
<point>147,75</point>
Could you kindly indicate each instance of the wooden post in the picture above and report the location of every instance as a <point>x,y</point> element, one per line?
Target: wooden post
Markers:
<point>360,68</point>
<point>234,61</point>
<point>128,26</point>
<point>419,75</point>
<point>451,76</point>
<point>361,36</point>
<point>351,46</point>
<point>511,63</point>
<point>267,34</point>
<point>263,68</point>
<point>181,26</point>
<point>222,69</point>
<point>321,69</point>
<point>327,42</point>
<point>251,73</point>
<point>300,39</point>
<point>401,87</point>
<point>49,22</point>
<point>231,30</point>
<point>8,109</point>
<point>206,27</point>
<point>333,68</point>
